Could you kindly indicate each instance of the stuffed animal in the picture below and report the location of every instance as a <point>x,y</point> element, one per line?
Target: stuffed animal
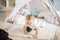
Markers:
<point>28,29</point>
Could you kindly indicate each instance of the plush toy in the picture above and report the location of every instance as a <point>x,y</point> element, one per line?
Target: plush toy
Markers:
<point>26,9</point>
<point>35,12</point>
<point>28,29</point>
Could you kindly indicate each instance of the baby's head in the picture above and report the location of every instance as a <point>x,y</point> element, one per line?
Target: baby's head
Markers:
<point>29,19</point>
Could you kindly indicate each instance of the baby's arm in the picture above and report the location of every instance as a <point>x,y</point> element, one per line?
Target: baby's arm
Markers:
<point>25,30</point>
<point>36,34</point>
<point>36,31</point>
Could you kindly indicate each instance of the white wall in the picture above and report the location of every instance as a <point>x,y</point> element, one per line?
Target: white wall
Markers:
<point>16,2</point>
<point>37,4</point>
<point>11,3</point>
<point>57,4</point>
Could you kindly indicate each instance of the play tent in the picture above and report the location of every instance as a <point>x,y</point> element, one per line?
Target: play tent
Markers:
<point>49,12</point>
<point>45,7</point>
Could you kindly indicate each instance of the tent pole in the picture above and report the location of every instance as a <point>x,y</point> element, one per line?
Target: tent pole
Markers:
<point>57,17</point>
<point>51,7</point>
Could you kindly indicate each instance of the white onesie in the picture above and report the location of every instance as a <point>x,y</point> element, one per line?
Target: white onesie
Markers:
<point>33,27</point>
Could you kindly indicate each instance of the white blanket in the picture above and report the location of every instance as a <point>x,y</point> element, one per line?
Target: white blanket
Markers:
<point>47,31</point>
<point>19,19</point>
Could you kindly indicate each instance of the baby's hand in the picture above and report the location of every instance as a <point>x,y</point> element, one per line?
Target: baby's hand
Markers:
<point>35,36</point>
<point>26,32</point>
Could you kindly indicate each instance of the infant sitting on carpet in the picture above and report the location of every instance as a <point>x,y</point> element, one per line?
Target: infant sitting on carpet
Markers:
<point>31,26</point>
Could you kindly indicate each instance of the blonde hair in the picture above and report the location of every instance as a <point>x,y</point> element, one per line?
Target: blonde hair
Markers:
<point>28,17</point>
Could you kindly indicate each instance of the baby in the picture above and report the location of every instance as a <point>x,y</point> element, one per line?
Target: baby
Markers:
<point>31,25</point>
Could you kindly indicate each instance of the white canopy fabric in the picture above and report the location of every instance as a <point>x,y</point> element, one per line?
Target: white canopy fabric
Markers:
<point>49,15</point>
<point>17,7</point>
